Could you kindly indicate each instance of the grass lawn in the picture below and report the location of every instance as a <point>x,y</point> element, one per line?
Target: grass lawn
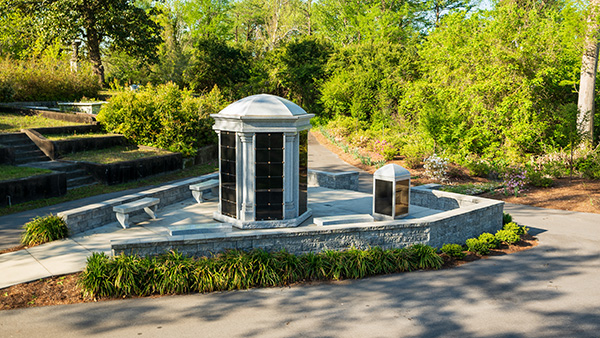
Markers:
<point>11,172</point>
<point>99,189</point>
<point>54,137</point>
<point>115,154</point>
<point>12,123</point>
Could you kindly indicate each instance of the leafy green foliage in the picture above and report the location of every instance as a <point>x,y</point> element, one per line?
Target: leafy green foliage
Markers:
<point>164,117</point>
<point>507,236</point>
<point>514,227</point>
<point>453,250</point>
<point>491,240</point>
<point>175,273</point>
<point>477,246</point>
<point>45,79</point>
<point>506,218</point>
<point>44,229</point>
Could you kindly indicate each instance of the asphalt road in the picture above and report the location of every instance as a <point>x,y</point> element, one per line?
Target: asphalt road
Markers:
<point>551,290</point>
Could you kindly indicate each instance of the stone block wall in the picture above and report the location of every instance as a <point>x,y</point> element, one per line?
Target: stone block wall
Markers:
<point>473,216</point>
<point>99,214</point>
<point>347,180</point>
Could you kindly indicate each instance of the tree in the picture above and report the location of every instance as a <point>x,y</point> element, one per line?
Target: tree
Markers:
<point>120,24</point>
<point>587,82</point>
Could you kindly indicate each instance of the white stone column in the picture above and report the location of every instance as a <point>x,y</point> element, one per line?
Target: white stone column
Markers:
<point>219,159</point>
<point>290,175</point>
<point>246,171</point>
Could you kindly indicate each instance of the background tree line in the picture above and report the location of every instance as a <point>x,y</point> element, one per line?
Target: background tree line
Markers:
<point>422,75</point>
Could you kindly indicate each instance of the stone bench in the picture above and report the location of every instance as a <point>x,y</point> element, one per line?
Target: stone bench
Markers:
<point>148,204</point>
<point>199,188</point>
<point>343,219</point>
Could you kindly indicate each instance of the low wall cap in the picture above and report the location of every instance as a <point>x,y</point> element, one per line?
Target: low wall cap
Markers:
<point>392,172</point>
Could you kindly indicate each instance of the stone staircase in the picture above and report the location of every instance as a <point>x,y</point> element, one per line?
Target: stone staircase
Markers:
<point>25,151</point>
<point>76,177</point>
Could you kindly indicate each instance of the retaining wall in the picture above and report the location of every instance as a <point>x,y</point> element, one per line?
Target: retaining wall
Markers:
<point>32,188</point>
<point>99,214</point>
<point>471,217</point>
<point>126,171</point>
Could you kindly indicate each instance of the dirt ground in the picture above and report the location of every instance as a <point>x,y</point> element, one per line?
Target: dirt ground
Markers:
<point>567,194</point>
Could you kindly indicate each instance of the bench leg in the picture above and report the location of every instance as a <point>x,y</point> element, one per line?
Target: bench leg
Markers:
<point>151,212</point>
<point>123,219</point>
<point>198,196</point>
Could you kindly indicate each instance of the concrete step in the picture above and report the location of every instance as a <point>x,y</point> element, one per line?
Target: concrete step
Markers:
<point>80,186</point>
<point>10,139</point>
<point>22,148</point>
<point>20,159</point>
<point>79,181</point>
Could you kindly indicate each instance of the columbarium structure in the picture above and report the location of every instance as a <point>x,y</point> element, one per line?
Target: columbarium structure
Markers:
<point>391,192</point>
<point>263,159</point>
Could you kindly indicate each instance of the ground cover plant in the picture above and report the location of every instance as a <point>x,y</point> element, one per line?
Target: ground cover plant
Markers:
<point>175,273</point>
<point>11,172</point>
<point>115,154</point>
<point>13,123</point>
<point>44,229</point>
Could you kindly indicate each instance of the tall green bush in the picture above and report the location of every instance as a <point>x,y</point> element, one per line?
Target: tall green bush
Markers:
<point>164,116</point>
<point>45,79</point>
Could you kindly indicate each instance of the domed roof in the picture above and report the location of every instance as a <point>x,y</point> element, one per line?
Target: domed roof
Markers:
<point>263,105</point>
<point>392,171</point>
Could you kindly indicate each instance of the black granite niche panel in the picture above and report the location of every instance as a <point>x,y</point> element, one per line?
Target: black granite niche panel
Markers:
<point>269,176</point>
<point>383,197</point>
<point>228,177</point>
<point>303,173</point>
<point>402,193</point>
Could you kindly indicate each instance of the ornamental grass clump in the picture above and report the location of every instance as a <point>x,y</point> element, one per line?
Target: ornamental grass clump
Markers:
<point>175,273</point>
<point>44,229</point>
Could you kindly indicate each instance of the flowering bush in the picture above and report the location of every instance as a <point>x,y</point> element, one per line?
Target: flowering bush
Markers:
<point>514,180</point>
<point>436,168</point>
<point>385,149</point>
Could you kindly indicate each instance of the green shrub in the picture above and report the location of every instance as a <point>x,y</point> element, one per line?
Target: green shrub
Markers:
<point>45,79</point>
<point>479,168</point>
<point>491,240</point>
<point>175,273</point>
<point>453,250</point>
<point>514,227</point>
<point>508,236</point>
<point>538,179</point>
<point>477,246</point>
<point>506,218</point>
<point>589,166</point>
<point>44,229</point>
<point>164,117</point>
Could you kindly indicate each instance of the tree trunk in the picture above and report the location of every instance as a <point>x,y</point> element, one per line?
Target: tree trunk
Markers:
<point>587,82</point>
<point>93,42</point>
